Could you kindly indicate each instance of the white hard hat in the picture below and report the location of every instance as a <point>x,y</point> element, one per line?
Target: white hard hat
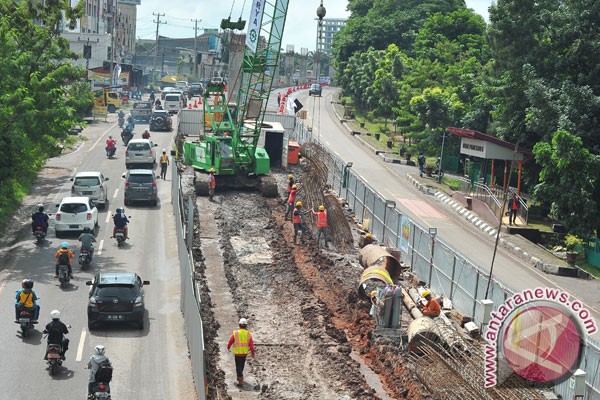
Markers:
<point>55,314</point>
<point>243,321</point>
<point>100,350</point>
<point>164,150</point>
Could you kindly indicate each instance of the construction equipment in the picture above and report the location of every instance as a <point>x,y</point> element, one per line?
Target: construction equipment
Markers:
<point>232,130</point>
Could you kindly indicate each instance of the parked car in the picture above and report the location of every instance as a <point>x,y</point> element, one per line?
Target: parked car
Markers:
<point>74,214</point>
<point>116,297</point>
<point>160,120</point>
<point>92,184</point>
<point>196,89</point>
<point>140,185</point>
<point>315,89</point>
<point>140,152</point>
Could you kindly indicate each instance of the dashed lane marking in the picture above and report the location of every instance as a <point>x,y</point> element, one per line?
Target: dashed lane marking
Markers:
<point>100,247</point>
<point>107,218</point>
<point>80,346</point>
<point>116,192</point>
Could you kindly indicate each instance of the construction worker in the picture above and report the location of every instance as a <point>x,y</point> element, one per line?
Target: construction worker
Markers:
<point>321,224</point>
<point>164,163</point>
<point>291,201</point>
<point>432,307</point>
<point>291,181</point>
<point>212,183</point>
<point>241,340</point>
<point>366,240</point>
<point>297,220</point>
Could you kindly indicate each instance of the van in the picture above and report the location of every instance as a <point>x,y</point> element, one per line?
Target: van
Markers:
<point>173,103</point>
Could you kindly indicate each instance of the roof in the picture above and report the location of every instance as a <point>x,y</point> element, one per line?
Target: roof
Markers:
<point>468,133</point>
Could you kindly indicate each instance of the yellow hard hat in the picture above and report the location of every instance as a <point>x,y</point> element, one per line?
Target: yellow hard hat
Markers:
<point>211,170</point>
<point>321,208</point>
<point>373,293</point>
<point>298,204</point>
<point>290,175</point>
<point>426,293</point>
<point>368,235</point>
<point>294,186</point>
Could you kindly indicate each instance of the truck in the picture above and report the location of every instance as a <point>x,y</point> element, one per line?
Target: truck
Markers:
<point>141,111</point>
<point>107,97</point>
<point>230,144</point>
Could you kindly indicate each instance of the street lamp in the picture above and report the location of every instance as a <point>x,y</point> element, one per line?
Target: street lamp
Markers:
<point>432,234</point>
<point>388,204</point>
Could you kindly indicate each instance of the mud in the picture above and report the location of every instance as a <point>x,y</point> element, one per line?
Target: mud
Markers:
<point>303,310</point>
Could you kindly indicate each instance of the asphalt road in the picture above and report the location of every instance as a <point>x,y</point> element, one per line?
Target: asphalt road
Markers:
<point>148,364</point>
<point>390,181</point>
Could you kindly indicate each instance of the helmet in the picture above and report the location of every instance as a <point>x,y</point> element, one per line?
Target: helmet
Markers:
<point>211,170</point>
<point>294,186</point>
<point>55,314</point>
<point>86,230</point>
<point>298,204</point>
<point>164,150</point>
<point>99,350</point>
<point>27,284</point>
<point>290,175</point>
<point>426,293</point>
<point>64,245</point>
<point>243,321</point>
<point>120,210</point>
<point>321,208</point>
<point>40,207</point>
<point>368,235</point>
<point>373,294</point>
<point>110,136</point>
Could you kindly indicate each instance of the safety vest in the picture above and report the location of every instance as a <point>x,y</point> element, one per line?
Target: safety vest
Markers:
<point>292,196</point>
<point>164,159</point>
<point>241,342</point>
<point>322,219</point>
<point>296,217</point>
<point>212,181</point>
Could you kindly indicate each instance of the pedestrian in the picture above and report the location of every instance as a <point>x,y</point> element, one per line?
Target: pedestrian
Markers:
<point>291,201</point>
<point>513,209</point>
<point>212,184</point>
<point>421,161</point>
<point>297,221</point>
<point>279,99</point>
<point>164,163</point>
<point>321,224</point>
<point>242,343</point>
<point>432,307</point>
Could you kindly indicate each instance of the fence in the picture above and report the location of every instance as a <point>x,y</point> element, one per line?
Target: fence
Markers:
<point>190,298</point>
<point>432,260</point>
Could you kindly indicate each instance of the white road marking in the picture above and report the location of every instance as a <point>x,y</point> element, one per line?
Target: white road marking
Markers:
<point>100,247</point>
<point>116,192</point>
<point>102,136</point>
<point>107,218</point>
<point>80,347</point>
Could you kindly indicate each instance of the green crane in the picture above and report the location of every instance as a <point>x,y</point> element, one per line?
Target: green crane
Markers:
<point>232,130</point>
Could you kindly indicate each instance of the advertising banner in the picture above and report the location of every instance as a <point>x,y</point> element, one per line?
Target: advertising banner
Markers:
<point>404,233</point>
<point>254,23</point>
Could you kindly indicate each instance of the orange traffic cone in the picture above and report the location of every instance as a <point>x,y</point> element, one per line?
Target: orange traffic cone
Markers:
<point>195,102</point>
<point>195,105</point>
<point>199,101</point>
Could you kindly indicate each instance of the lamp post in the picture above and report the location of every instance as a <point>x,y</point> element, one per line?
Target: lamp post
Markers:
<point>320,14</point>
<point>432,234</point>
<point>388,204</point>
<point>439,178</point>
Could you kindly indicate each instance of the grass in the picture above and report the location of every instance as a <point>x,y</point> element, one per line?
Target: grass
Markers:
<point>12,201</point>
<point>452,183</point>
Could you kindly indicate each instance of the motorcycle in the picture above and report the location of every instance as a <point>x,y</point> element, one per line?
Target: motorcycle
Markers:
<point>127,134</point>
<point>85,258</point>
<point>63,276</point>
<point>101,391</point>
<point>26,321</point>
<point>39,234</point>
<point>110,151</point>
<point>121,122</point>
<point>53,358</point>
<point>120,236</point>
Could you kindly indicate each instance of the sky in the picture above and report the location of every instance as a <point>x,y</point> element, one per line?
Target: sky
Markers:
<point>300,29</point>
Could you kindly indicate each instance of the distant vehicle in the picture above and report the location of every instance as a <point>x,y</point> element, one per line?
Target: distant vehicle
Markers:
<point>140,151</point>
<point>217,80</point>
<point>182,85</point>
<point>91,184</point>
<point>160,120</point>
<point>196,89</point>
<point>108,98</point>
<point>116,297</point>
<point>315,89</point>
<point>140,185</point>
<point>141,111</point>
<point>173,103</point>
<point>165,91</point>
<point>74,214</point>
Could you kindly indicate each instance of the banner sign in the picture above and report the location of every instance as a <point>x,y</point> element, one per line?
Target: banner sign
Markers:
<point>254,24</point>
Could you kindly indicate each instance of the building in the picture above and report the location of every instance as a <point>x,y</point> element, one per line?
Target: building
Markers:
<point>330,27</point>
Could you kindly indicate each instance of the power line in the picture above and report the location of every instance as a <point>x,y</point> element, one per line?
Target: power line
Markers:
<point>156,48</point>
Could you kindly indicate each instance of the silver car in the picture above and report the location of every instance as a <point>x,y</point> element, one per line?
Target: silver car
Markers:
<point>140,185</point>
<point>91,184</point>
<point>140,152</point>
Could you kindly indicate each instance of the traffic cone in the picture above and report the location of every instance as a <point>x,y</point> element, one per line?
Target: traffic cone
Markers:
<point>199,101</point>
<point>195,102</point>
<point>195,105</point>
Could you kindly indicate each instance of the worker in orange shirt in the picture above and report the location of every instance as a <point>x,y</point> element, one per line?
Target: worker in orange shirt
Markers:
<point>212,183</point>
<point>291,201</point>
<point>321,224</point>
<point>242,343</point>
<point>432,307</point>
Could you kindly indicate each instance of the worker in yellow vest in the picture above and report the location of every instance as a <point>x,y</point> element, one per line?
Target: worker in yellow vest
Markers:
<point>164,163</point>
<point>242,344</point>
<point>321,224</point>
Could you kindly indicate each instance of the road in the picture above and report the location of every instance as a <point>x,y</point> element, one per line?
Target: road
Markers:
<point>390,181</point>
<point>148,364</point>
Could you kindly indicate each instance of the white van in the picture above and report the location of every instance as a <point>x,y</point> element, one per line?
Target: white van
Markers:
<point>173,103</point>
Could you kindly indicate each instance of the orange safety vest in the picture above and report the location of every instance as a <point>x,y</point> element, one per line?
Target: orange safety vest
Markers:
<point>296,218</point>
<point>241,342</point>
<point>322,219</point>
<point>212,181</point>
<point>292,196</point>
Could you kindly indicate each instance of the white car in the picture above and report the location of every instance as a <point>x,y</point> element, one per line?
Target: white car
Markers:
<point>140,151</point>
<point>92,184</point>
<point>74,214</point>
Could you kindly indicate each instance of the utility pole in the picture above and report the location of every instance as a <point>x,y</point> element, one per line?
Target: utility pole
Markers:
<point>195,21</point>
<point>113,32</point>
<point>320,14</point>
<point>157,22</point>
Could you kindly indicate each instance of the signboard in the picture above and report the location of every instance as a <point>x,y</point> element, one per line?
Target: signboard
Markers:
<point>487,150</point>
<point>404,234</point>
<point>100,111</point>
<point>254,24</point>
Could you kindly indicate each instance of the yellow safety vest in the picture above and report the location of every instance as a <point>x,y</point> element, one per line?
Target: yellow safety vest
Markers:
<point>241,342</point>
<point>26,299</point>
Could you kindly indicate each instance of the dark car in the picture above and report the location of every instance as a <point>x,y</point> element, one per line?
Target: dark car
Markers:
<point>315,89</point>
<point>116,297</point>
<point>160,120</point>
<point>140,185</point>
<point>196,89</point>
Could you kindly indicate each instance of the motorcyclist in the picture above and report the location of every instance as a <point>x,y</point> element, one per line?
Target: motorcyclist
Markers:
<point>26,300</point>
<point>164,163</point>
<point>87,239</point>
<point>158,104</point>
<point>146,134</point>
<point>121,118</point>
<point>120,220</point>
<point>56,331</point>
<point>152,96</point>
<point>64,255</point>
<point>111,144</point>
<point>130,121</point>
<point>93,364</point>
<point>39,218</point>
